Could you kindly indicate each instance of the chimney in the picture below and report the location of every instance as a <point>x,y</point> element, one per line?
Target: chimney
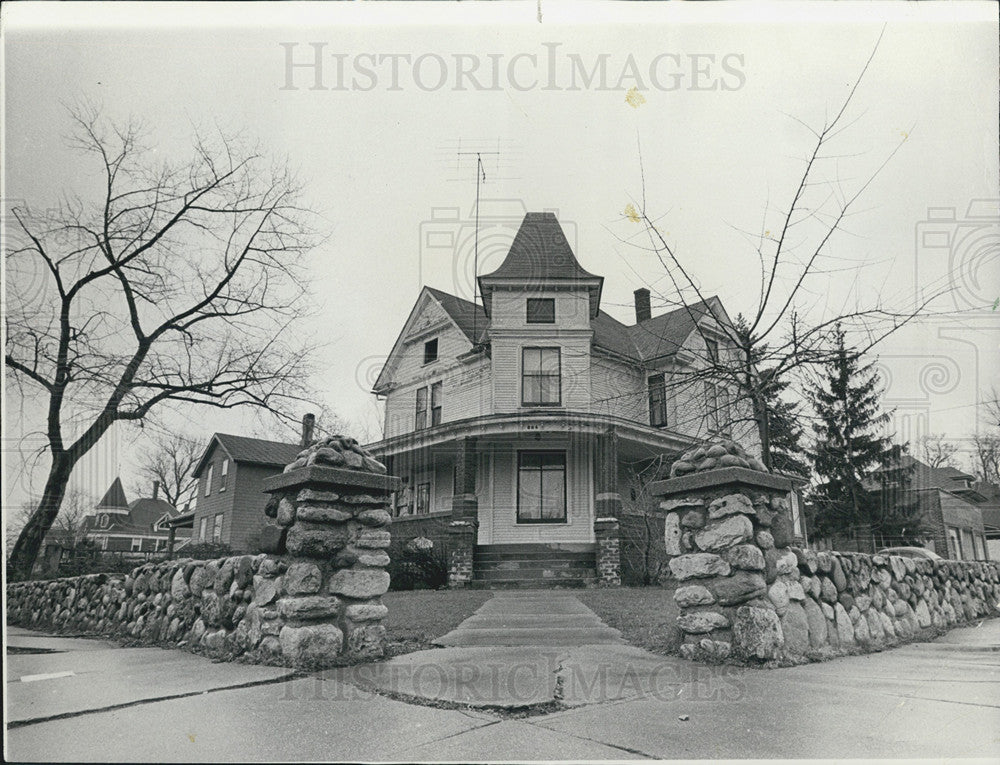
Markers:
<point>308,423</point>
<point>156,489</point>
<point>642,310</point>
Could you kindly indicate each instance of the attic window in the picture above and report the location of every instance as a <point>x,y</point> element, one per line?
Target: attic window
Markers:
<point>430,351</point>
<point>541,311</point>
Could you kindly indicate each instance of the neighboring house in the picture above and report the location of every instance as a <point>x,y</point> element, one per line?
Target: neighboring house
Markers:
<point>952,508</point>
<point>229,505</point>
<point>990,509</point>
<point>524,414</point>
<point>132,528</point>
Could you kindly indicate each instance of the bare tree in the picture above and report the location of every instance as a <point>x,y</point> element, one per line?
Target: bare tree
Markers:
<point>937,451</point>
<point>173,281</point>
<point>169,462</point>
<point>986,443</point>
<point>784,335</point>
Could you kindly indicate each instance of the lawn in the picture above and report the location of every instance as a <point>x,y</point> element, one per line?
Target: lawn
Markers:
<point>646,616</point>
<point>417,617</point>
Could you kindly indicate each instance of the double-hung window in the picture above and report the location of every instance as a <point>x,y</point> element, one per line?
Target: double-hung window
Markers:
<point>541,372</point>
<point>436,393</point>
<point>223,474</point>
<point>421,419</point>
<point>657,401</point>
<point>217,529</point>
<point>541,487</point>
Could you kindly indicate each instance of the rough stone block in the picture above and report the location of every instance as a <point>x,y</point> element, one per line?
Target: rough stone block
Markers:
<point>322,514</point>
<point>740,587</point>
<point>723,534</point>
<point>747,557</point>
<point>364,612</point>
<point>731,504</point>
<point>672,534</point>
<point>309,607</point>
<point>698,565</point>
<point>359,583</point>
<point>756,633</point>
<point>367,641</point>
<point>376,517</point>
<point>316,540</point>
<point>693,595</point>
<point>700,622</point>
<point>311,645</point>
<point>302,578</point>
<point>795,629</point>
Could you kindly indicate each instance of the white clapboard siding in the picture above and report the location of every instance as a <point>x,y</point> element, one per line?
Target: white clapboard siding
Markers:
<point>619,390</point>
<point>502,504</point>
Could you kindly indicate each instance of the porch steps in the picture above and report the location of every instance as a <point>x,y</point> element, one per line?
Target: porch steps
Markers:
<point>516,566</point>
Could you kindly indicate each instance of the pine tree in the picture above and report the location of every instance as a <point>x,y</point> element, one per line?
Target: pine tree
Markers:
<point>861,478</point>
<point>787,452</point>
<point>784,431</point>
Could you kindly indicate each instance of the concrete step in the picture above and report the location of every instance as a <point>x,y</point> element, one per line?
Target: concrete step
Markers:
<point>501,622</point>
<point>521,563</point>
<point>540,555</point>
<point>559,547</point>
<point>549,636</point>
<point>541,574</point>
<point>531,584</point>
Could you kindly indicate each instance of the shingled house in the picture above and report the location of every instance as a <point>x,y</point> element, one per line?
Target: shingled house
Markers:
<point>527,413</point>
<point>229,505</point>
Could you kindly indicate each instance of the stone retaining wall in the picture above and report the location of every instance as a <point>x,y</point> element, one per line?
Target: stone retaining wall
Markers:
<point>745,594</point>
<point>312,597</point>
<point>224,608</point>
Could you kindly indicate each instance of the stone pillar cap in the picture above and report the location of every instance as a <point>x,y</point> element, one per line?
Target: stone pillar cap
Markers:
<point>327,476</point>
<point>720,477</point>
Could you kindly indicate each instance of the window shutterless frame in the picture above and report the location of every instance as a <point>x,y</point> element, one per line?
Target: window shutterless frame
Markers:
<point>540,311</point>
<point>540,474</point>
<point>541,382</point>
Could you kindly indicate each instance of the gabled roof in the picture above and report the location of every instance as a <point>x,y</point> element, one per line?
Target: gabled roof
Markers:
<point>254,451</point>
<point>114,498</point>
<point>540,255</point>
<point>469,317</point>
<point>665,334</point>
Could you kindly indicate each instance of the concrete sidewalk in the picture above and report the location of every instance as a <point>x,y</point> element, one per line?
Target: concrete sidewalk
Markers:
<point>938,699</point>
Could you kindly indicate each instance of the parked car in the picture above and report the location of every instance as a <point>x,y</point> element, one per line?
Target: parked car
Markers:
<point>911,552</point>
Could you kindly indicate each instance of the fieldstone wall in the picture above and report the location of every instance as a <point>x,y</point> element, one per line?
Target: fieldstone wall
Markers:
<point>224,608</point>
<point>312,598</point>
<point>745,594</point>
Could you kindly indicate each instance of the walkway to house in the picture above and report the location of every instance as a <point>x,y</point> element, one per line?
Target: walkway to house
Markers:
<point>531,618</point>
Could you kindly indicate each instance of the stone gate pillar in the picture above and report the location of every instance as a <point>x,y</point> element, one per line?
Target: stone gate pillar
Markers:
<point>729,526</point>
<point>321,600</point>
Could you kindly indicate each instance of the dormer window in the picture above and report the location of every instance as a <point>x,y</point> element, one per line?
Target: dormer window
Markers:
<point>430,351</point>
<point>541,311</point>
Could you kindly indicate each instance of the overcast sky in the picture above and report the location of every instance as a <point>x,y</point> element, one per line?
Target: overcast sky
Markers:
<point>384,150</point>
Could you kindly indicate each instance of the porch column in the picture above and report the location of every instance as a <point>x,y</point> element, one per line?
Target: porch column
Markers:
<point>607,500</point>
<point>171,539</point>
<point>465,504</point>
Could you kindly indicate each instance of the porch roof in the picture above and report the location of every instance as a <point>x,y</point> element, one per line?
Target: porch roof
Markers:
<point>533,423</point>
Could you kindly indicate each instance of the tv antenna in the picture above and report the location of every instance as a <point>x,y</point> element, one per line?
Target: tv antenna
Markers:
<point>480,179</point>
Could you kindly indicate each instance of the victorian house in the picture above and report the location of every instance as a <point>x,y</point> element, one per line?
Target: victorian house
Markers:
<point>529,413</point>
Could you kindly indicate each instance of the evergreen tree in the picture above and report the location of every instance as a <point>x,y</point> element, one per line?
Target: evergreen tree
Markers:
<point>784,431</point>
<point>862,478</point>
